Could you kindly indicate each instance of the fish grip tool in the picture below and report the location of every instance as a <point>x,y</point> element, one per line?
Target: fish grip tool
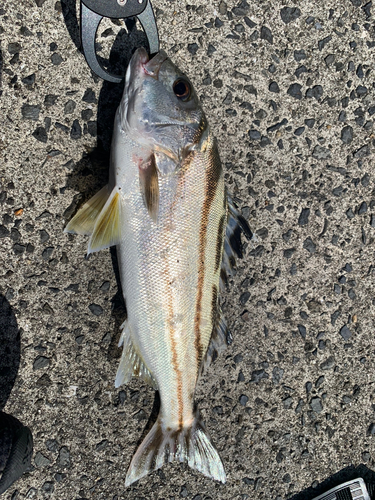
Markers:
<point>93,11</point>
<point>355,489</point>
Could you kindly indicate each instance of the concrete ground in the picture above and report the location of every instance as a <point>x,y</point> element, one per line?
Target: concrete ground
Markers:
<point>288,90</point>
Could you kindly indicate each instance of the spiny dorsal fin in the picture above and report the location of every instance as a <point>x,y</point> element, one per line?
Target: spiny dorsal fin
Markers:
<point>236,225</point>
<point>84,220</point>
<point>148,182</point>
<point>131,364</point>
<point>107,229</point>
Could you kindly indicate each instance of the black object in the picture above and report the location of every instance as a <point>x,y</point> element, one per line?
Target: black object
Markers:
<point>16,449</point>
<point>92,12</point>
<point>16,442</point>
<point>354,489</point>
<point>349,483</point>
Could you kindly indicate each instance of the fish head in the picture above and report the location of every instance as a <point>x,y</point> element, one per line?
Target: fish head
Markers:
<point>160,108</point>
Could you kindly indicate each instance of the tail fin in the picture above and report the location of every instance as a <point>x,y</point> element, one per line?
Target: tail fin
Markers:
<point>189,444</point>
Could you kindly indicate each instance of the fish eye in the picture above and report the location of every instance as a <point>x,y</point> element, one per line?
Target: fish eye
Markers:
<point>182,90</point>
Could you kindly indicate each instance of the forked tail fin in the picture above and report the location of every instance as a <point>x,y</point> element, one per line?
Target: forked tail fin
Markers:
<point>189,444</point>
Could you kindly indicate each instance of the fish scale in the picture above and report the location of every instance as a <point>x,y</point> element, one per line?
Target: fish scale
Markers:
<point>166,209</point>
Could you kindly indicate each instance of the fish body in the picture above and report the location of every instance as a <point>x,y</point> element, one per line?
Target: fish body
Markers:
<point>166,209</point>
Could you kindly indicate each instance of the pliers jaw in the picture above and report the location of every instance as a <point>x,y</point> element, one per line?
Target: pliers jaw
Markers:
<point>93,11</point>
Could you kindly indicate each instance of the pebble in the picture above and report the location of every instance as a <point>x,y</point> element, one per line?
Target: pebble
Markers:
<point>328,363</point>
<point>299,55</point>
<point>273,87</point>
<point>243,400</point>
<point>345,333</point>
<point>76,130</point>
<point>300,70</point>
<point>96,309</point>
<point>309,245</point>
<point>316,405</point>
<point>30,112</point>
<point>89,96</point>
<point>362,152</point>
<point>289,14</point>
<point>64,457</point>
<point>56,59</point>
<point>192,48</point>
<point>322,43</point>
<point>52,445</point>
<point>40,134</point>
<point>184,491</point>
<point>48,487</point>
<point>266,34</point>
<point>102,445</point>
<point>302,331</point>
<point>294,90</point>
<point>40,460</point>
<point>258,375</point>
<point>289,252</point>
<point>277,375</point>
<point>47,253</point>
<point>304,217</point>
<point>363,208</point>
<point>347,134</point>
<point>50,100</point>
<point>315,92</point>
<point>244,298</point>
<point>69,107</point>
<point>321,153</point>
<point>41,362</point>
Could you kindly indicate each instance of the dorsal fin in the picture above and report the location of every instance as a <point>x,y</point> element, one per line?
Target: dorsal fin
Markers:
<point>236,225</point>
<point>220,338</point>
<point>131,364</point>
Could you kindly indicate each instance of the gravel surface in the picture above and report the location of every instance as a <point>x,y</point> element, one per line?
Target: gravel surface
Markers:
<point>289,93</point>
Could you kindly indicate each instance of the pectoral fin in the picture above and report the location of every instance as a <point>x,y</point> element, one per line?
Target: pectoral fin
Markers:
<point>84,220</point>
<point>107,229</point>
<point>148,182</point>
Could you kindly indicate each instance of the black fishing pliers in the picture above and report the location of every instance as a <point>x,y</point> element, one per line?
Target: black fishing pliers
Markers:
<point>92,12</point>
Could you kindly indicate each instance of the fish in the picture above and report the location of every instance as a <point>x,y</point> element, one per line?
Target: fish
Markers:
<point>177,234</point>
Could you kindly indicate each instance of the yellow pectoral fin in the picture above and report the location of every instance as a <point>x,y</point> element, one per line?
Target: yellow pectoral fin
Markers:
<point>84,220</point>
<point>107,229</point>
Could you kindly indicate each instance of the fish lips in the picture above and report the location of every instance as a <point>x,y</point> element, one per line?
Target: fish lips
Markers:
<point>141,64</point>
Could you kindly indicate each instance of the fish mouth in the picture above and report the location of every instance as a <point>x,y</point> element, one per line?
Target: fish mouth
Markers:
<point>153,65</point>
<point>141,62</point>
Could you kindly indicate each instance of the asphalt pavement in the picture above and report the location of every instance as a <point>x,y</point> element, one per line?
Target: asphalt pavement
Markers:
<point>288,89</point>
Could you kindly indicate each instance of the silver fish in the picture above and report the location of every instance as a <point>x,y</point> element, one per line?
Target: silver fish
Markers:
<point>166,209</point>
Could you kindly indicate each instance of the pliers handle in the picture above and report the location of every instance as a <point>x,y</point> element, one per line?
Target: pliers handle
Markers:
<point>93,11</point>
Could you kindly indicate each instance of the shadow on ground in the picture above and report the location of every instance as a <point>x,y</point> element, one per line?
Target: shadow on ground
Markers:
<point>90,174</point>
<point>10,350</point>
<point>16,442</point>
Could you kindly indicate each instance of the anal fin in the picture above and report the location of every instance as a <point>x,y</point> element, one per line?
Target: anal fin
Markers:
<point>131,363</point>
